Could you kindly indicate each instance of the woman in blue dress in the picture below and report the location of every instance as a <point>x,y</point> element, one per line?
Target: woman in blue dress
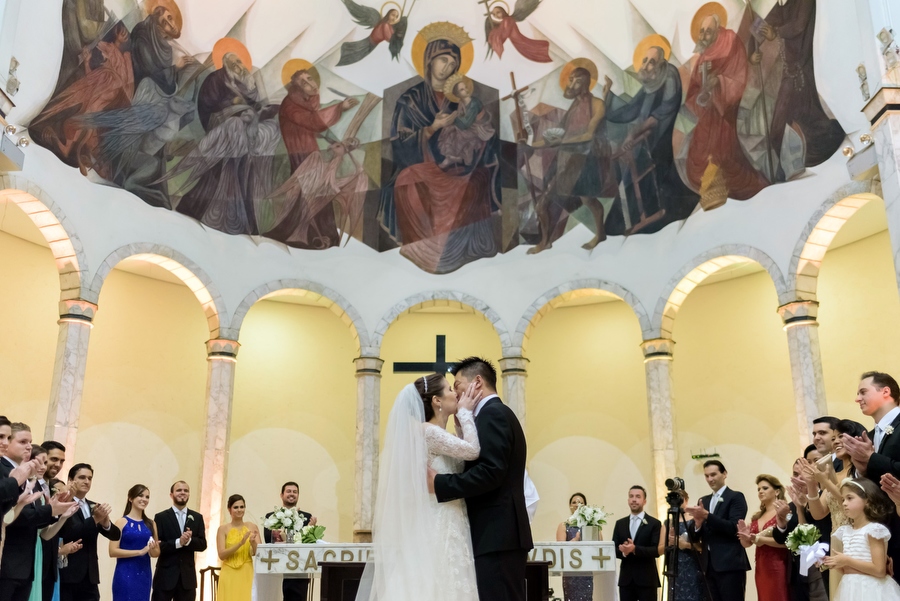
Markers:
<point>132,578</point>
<point>575,588</point>
<point>689,585</point>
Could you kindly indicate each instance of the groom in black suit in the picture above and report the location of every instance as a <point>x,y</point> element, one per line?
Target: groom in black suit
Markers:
<point>181,533</point>
<point>637,545</point>
<point>716,517</point>
<point>494,488</point>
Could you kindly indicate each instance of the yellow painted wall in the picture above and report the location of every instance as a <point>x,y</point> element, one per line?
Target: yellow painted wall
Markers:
<point>411,338</point>
<point>586,414</point>
<point>859,315</point>
<point>29,298</point>
<point>295,413</point>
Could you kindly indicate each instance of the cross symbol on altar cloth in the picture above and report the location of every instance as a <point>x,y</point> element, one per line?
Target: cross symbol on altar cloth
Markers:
<point>440,364</point>
<point>601,557</point>
<point>269,560</point>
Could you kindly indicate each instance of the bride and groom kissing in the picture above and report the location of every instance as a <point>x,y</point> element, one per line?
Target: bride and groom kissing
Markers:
<point>450,520</point>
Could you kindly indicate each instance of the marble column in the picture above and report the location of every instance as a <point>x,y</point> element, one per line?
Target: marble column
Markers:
<point>883,112</point>
<point>368,414</point>
<point>221,362</point>
<point>513,371</point>
<point>75,323</point>
<point>802,330</point>
<point>660,399</point>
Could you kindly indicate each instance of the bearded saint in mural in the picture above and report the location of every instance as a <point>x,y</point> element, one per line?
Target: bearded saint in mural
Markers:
<point>232,164</point>
<point>500,26</point>
<point>714,96</point>
<point>442,218</point>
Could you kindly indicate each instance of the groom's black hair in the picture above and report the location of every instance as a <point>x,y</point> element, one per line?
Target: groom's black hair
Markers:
<point>476,366</point>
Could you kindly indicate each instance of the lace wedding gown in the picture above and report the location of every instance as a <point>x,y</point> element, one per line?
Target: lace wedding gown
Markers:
<point>446,454</point>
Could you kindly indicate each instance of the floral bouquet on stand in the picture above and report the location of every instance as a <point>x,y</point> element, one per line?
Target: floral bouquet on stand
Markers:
<point>590,520</point>
<point>804,542</point>
<point>310,535</point>
<point>288,520</point>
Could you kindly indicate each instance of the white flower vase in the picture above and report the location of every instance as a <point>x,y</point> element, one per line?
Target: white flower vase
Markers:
<point>590,533</point>
<point>289,535</point>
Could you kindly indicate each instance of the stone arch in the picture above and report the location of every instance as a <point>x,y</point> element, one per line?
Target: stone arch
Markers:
<point>550,299</point>
<point>820,231</point>
<point>195,278</point>
<point>697,270</point>
<point>337,304</point>
<point>56,228</point>
<point>441,295</point>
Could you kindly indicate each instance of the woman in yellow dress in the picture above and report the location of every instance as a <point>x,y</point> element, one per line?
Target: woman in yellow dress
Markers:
<point>236,542</point>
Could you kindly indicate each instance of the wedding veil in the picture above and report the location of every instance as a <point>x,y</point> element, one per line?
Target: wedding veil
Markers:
<point>406,550</point>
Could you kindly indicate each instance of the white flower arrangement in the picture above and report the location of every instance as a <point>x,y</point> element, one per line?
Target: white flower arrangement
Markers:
<point>285,519</point>
<point>588,516</point>
<point>888,430</point>
<point>311,534</point>
<point>804,535</point>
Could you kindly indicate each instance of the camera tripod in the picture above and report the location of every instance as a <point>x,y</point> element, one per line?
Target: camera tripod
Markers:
<point>670,569</point>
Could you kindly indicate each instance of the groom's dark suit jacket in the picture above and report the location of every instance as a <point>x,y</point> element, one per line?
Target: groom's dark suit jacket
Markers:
<point>494,484</point>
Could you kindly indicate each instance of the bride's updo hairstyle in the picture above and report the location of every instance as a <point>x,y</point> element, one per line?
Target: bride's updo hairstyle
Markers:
<point>429,387</point>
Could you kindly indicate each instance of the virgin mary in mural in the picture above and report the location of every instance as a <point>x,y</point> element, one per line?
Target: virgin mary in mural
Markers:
<point>440,212</point>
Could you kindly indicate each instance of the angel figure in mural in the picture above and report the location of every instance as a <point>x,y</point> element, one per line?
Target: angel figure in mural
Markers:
<point>500,26</point>
<point>389,26</point>
<point>230,170</point>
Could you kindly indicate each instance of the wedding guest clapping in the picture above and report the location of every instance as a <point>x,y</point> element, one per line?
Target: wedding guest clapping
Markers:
<point>637,539</point>
<point>771,556</point>
<point>236,543</point>
<point>575,588</point>
<point>689,584</point>
<point>182,533</point>
<point>292,589</point>
<point>132,578</point>
<point>822,483</point>
<point>877,453</point>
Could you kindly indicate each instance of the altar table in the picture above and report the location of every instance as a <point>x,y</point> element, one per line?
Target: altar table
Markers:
<point>280,560</point>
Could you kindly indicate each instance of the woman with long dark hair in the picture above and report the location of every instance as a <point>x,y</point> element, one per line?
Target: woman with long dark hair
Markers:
<point>236,543</point>
<point>575,588</point>
<point>132,578</point>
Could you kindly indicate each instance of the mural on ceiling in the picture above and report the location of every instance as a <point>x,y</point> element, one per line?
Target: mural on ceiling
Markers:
<point>447,167</point>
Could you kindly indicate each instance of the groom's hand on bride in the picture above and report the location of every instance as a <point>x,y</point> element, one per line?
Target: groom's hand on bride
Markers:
<point>430,478</point>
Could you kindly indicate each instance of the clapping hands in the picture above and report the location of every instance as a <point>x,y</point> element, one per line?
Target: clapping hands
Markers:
<point>186,537</point>
<point>627,548</point>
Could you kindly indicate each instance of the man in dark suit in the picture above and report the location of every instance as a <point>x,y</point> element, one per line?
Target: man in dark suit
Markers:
<point>181,533</point>
<point>293,589</point>
<point>878,452</point>
<point>812,587</point>
<point>716,517</point>
<point>494,488</point>
<point>80,579</point>
<point>17,567</point>
<point>637,545</point>
<point>56,458</point>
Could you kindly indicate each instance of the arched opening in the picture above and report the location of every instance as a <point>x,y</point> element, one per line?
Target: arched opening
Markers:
<point>587,423</point>
<point>856,287</point>
<point>143,413</point>
<point>294,410</point>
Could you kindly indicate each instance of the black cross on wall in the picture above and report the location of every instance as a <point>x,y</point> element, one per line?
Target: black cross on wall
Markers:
<point>440,365</point>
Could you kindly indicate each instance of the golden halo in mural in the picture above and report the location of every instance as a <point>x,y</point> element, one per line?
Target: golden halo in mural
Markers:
<point>443,30</point>
<point>451,83</point>
<point>501,3</point>
<point>710,8</point>
<point>386,7</point>
<point>584,63</point>
<point>226,45</point>
<point>646,44</point>
<point>150,6</point>
<point>298,64</point>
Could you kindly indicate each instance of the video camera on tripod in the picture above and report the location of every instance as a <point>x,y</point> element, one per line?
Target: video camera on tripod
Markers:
<point>675,499</point>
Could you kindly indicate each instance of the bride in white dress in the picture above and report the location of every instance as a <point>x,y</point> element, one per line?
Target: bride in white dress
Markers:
<point>422,549</point>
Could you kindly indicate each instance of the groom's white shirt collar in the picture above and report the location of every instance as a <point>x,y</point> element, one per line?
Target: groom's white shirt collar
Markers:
<point>483,401</point>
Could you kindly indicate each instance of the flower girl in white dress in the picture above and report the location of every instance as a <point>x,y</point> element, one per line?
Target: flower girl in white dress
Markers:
<point>863,543</point>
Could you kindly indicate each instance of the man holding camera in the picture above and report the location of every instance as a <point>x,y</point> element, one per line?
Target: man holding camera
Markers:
<point>716,517</point>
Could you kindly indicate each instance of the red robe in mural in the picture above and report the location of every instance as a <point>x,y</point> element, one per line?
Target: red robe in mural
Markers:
<point>715,138</point>
<point>508,29</point>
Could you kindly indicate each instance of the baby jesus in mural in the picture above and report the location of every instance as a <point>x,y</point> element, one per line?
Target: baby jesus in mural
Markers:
<point>462,141</point>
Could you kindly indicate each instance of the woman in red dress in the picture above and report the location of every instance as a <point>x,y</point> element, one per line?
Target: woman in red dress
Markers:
<point>772,559</point>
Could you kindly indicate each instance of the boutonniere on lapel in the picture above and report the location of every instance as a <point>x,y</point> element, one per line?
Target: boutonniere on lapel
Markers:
<point>888,430</point>
<point>190,517</point>
<point>644,521</point>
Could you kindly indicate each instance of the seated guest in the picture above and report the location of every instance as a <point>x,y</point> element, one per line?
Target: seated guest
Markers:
<point>771,556</point>
<point>80,579</point>
<point>236,543</point>
<point>689,583</point>
<point>293,589</point>
<point>575,588</point>
<point>716,517</point>
<point>637,538</point>
<point>132,552</point>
